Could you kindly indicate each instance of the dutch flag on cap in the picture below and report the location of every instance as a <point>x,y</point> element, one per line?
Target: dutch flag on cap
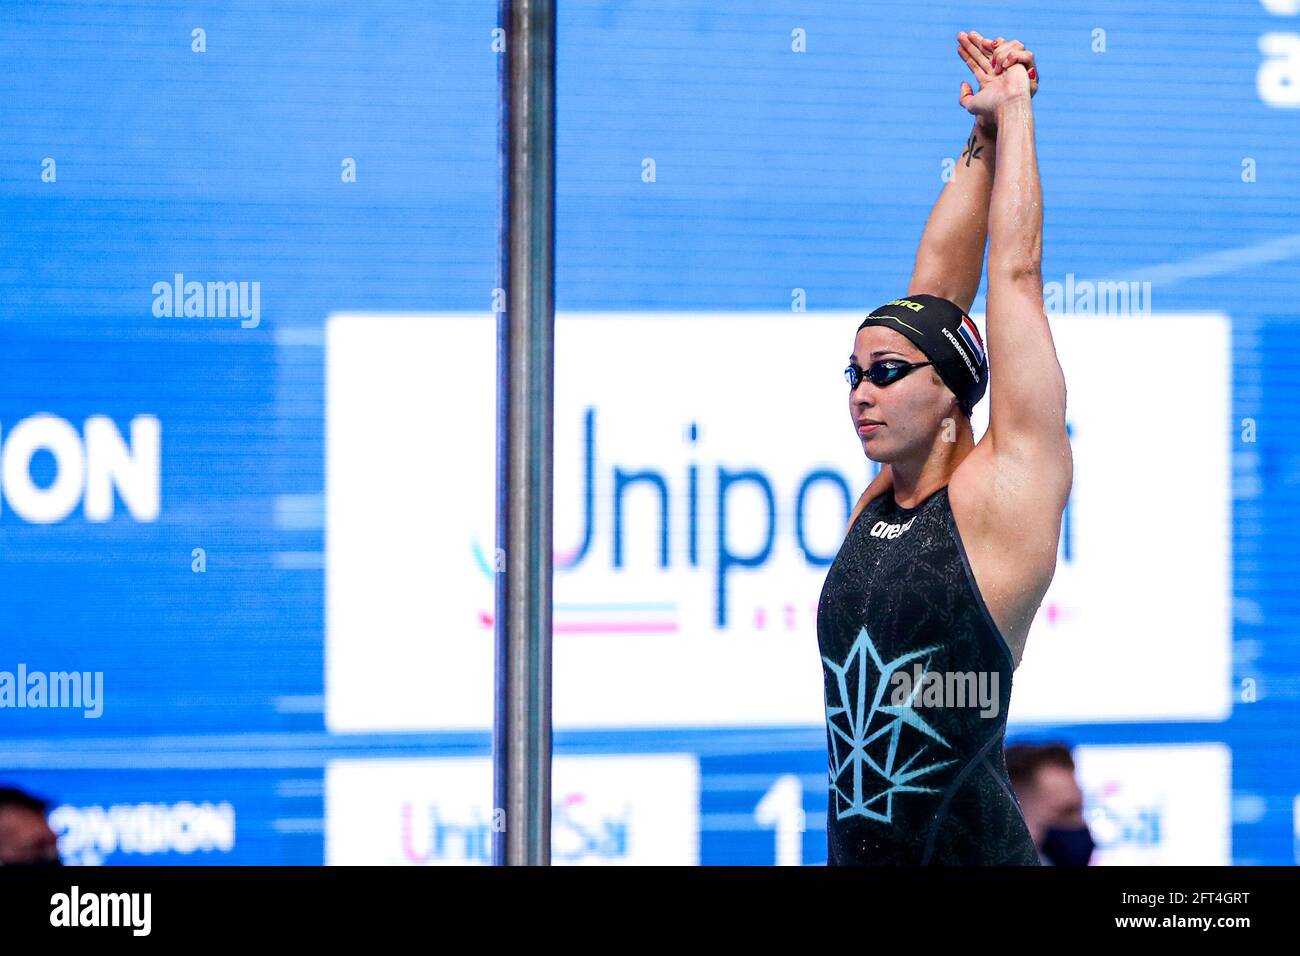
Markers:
<point>971,336</point>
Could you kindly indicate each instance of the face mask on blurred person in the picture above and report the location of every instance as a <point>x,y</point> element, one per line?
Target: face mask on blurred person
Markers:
<point>1068,847</point>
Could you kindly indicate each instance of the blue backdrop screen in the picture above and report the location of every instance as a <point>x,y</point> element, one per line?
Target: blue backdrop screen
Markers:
<point>189,191</point>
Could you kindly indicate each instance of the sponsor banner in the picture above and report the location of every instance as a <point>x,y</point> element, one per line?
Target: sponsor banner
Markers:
<point>605,811</point>
<point>704,469</point>
<point>1160,805</point>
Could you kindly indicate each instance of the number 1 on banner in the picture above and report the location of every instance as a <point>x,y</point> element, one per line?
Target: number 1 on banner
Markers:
<point>782,809</point>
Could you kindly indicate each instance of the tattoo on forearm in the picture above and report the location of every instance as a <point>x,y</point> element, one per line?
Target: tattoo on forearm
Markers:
<point>972,151</point>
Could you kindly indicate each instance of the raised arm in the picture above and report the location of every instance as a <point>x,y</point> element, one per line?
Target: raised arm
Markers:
<point>950,256</point>
<point>1026,385</point>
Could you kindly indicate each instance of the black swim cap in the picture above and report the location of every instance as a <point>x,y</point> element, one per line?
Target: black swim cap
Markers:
<point>947,337</point>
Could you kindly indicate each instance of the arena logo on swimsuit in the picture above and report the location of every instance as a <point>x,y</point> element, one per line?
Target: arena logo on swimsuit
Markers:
<point>883,529</point>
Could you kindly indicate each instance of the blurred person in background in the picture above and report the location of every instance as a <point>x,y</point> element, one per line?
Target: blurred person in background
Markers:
<point>25,837</point>
<point>1042,776</point>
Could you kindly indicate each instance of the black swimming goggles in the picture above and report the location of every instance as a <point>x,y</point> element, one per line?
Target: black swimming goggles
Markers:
<point>884,372</point>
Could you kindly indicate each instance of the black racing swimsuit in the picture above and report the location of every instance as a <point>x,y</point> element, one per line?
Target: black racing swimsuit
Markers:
<point>917,774</point>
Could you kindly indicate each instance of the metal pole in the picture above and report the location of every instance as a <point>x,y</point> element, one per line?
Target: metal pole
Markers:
<point>521,733</point>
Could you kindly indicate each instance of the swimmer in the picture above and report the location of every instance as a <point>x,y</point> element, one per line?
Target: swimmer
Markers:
<point>926,608</point>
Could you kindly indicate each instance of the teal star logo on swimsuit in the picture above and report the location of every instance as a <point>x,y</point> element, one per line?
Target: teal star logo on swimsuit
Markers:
<point>876,748</point>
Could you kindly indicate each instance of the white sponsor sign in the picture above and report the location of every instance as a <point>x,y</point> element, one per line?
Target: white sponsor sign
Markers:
<point>641,810</point>
<point>1160,805</point>
<point>704,468</point>
<point>1137,622</point>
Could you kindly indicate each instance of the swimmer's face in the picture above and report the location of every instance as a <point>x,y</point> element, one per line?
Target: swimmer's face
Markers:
<point>912,408</point>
